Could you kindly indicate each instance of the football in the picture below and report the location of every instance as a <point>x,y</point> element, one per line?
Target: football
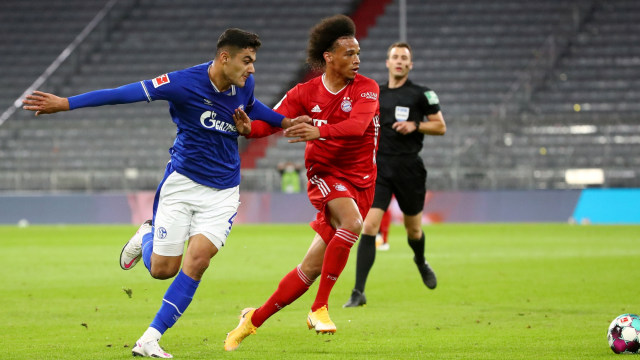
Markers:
<point>624,334</point>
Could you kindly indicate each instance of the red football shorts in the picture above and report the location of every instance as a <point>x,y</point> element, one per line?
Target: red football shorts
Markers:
<point>323,188</point>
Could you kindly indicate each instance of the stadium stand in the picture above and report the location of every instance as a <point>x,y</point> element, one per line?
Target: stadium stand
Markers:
<point>528,89</point>
<point>118,148</point>
<point>33,34</point>
<point>500,69</point>
<point>585,112</point>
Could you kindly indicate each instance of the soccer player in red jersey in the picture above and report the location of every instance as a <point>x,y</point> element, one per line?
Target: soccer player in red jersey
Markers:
<point>341,167</point>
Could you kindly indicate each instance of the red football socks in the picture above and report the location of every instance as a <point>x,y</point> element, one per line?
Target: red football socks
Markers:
<point>291,287</point>
<point>335,259</point>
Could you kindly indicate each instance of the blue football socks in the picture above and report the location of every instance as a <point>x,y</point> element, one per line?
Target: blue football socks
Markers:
<point>147,249</point>
<point>175,302</point>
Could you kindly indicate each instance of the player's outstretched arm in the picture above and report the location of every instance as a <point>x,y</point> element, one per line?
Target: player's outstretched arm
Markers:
<point>243,124</point>
<point>303,132</point>
<point>45,103</point>
<point>287,123</point>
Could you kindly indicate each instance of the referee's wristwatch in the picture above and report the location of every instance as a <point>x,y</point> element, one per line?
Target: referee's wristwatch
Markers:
<point>417,121</point>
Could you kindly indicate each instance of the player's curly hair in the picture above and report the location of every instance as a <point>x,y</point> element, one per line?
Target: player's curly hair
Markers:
<point>323,36</point>
<point>238,39</point>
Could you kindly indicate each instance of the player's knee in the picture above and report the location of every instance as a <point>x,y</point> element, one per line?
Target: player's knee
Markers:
<point>353,225</point>
<point>370,228</point>
<point>196,265</point>
<point>163,273</point>
<point>414,233</point>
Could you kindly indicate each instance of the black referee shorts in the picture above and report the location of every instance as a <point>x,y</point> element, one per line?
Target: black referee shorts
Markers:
<point>402,176</point>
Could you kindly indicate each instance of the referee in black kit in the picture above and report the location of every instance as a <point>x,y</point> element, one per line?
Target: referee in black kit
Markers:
<point>404,107</point>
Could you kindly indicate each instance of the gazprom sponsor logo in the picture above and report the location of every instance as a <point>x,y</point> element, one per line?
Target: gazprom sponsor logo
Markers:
<point>208,120</point>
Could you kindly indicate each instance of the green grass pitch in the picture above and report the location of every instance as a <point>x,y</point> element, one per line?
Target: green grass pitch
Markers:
<point>543,291</point>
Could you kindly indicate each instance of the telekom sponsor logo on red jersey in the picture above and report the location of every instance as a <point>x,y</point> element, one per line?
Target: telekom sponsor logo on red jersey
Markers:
<point>318,123</point>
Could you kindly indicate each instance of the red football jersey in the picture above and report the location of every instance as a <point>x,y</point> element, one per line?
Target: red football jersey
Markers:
<point>348,124</point>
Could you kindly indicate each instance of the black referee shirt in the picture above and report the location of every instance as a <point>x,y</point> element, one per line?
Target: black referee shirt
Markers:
<point>410,102</point>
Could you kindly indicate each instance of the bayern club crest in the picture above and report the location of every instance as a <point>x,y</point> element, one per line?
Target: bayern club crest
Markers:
<point>346,104</point>
<point>340,187</point>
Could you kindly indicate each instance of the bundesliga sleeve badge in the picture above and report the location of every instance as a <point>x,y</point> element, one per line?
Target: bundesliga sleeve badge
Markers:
<point>432,97</point>
<point>160,80</point>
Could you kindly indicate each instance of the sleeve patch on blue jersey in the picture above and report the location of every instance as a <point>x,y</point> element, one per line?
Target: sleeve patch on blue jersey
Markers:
<point>160,80</point>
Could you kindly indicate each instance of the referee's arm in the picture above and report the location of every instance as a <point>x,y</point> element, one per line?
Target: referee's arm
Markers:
<point>434,125</point>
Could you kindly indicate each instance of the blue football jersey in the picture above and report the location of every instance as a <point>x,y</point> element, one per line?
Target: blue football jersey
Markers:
<point>206,145</point>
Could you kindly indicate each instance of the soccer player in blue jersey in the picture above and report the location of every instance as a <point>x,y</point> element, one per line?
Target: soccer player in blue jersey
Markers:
<point>197,200</point>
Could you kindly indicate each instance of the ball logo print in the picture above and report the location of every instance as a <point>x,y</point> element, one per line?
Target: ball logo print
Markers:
<point>161,233</point>
<point>624,334</point>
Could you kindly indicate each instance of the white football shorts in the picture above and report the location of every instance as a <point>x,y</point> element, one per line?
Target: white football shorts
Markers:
<point>186,208</point>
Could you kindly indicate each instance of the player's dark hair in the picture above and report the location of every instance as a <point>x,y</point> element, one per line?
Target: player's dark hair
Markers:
<point>237,38</point>
<point>323,36</point>
<point>399,44</point>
